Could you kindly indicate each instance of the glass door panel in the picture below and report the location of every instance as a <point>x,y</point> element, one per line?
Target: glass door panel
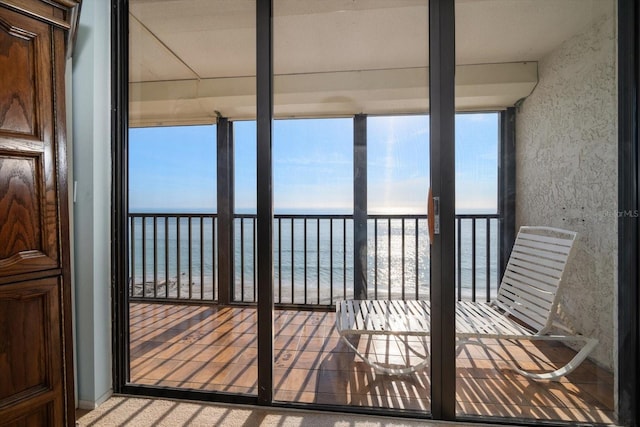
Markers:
<point>192,69</point>
<point>342,174</point>
<point>549,69</point>
<point>313,253</point>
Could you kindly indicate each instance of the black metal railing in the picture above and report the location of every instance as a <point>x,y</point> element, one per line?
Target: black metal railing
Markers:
<point>477,257</point>
<point>173,257</point>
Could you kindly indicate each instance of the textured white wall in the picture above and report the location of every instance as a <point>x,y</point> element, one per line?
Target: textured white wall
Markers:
<point>566,162</point>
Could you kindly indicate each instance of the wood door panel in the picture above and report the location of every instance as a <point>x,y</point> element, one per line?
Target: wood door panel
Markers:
<point>19,207</point>
<point>30,345</point>
<point>26,241</point>
<point>35,418</point>
<point>31,353</point>
<point>17,73</point>
<point>26,94</point>
<point>28,191</point>
<point>46,411</point>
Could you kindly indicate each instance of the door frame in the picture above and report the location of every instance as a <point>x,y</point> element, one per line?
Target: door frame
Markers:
<point>442,63</point>
<point>628,187</point>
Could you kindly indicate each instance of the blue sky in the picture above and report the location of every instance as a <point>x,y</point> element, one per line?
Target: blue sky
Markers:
<point>173,168</point>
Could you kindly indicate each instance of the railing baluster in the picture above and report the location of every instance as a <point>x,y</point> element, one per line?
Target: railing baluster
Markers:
<point>473,260</point>
<point>344,257</point>
<point>331,260</point>
<point>318,254</point>
<point>402,261</point>
<point>253,260</point>
<point>417,263</point>
<point>293,274</point>
<point>144,256</point>
<point>155,257</point>
<point>214,270</point>
<point>488,258</point>
<point>279,259</point>
<point>179,271</point>
<point>190,256</point>
<point>201,258</point>
<point>242,259</point>
<point>132,280</point>
<point>166,257</point>
<point>375,257</point>
<point>389,257</point>
<point>305,260</point>
<point>459,223</point>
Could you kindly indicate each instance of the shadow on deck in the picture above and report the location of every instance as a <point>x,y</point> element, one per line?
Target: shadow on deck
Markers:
<point>215,349</point>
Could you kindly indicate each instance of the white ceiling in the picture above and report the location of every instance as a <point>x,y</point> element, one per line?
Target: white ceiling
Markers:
<point>336,57</point>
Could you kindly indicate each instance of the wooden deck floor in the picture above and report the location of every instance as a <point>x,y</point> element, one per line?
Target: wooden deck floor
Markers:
<point>211,348</point>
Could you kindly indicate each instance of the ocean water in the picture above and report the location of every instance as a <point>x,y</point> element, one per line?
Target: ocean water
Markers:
<point>313,259</point>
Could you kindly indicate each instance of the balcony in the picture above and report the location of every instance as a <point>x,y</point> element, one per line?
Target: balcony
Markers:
<point>180,337</point>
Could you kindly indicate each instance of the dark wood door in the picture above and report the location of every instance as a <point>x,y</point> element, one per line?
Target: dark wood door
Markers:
<point>36,381</point>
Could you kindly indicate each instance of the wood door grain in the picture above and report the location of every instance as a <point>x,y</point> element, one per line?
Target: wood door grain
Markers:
<point>30,349</point>
<point>28,191</point>
<point>36,370</point>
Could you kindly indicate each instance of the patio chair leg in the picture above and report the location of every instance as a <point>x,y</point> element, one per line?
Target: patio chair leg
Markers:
<point>379,368</point>
<point>555,375</point>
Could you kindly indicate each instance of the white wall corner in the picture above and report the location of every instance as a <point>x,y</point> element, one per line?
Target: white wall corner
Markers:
<point>91,118</point>
<point>91,404</point>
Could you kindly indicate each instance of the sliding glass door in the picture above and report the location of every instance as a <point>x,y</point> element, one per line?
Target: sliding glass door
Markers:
<point>552,64</point>
<point>324,200</point>
<point>191,66</point>
<point>350,191</point>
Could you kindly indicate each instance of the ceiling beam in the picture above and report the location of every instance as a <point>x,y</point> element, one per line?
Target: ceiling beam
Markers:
<point>390,91</point>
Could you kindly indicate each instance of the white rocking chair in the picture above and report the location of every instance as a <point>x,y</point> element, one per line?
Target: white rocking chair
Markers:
<point>524,309</point>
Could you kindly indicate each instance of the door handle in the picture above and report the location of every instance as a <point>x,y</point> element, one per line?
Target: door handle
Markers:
<point>433,215</point>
